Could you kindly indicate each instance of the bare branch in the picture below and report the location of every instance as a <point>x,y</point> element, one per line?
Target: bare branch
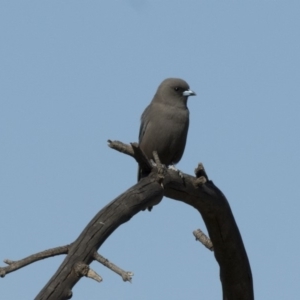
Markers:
<point>199,192</point>
<point>18,264</point>
<point>229,250</point>
<point>126,276</point>
<point>134,151</point>
<point>200,172</point>
<point>204,239</point>
<point>121,147</point>
<point>122,209</point>
<point>82,269</point>
<point>92,274</point>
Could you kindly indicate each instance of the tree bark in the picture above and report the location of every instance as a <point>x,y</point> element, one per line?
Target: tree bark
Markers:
<point>199,192</point>
<point>81,253</point>
<point>229,250</point>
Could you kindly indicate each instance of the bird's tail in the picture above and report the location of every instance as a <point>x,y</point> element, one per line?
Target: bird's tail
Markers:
<point>140,175</point>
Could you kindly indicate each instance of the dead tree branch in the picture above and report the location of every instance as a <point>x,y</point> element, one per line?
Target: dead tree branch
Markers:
<point>203,239</point>
<point>18,264</point>
<point>119,211</point>
<point>126,276</point>
<point>199,192</point>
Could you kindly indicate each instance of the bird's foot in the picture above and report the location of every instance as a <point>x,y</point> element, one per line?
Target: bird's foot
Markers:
<point>173,167</point>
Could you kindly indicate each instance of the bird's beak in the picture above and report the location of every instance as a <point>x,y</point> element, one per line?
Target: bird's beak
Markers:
<point>188,93</point>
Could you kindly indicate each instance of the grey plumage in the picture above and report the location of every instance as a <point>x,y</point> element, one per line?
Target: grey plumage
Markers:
<point>165,122</point>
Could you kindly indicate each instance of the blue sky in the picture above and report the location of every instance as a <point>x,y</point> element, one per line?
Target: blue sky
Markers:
<point>74,74</point>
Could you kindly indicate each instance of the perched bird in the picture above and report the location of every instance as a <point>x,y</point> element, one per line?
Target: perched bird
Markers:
<point>165,122</point>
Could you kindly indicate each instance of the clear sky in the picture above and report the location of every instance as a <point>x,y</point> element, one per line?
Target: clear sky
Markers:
<point>76,73</point>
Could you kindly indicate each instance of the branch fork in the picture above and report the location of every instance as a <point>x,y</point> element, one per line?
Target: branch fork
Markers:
<point>198,192</point>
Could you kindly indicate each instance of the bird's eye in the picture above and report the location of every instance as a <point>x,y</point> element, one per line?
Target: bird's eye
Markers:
<point>176,88</point>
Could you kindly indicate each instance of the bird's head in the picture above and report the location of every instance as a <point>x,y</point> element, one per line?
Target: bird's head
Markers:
<point>174,91</point>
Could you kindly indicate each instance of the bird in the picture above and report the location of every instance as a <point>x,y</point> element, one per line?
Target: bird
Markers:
<point>165,122</point>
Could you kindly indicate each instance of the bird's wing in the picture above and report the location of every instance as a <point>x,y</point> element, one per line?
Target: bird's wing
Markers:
<point>145,118</point>
<point>144,122</point>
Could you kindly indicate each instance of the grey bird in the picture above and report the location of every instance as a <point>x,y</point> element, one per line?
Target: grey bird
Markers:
<point>165,122</point>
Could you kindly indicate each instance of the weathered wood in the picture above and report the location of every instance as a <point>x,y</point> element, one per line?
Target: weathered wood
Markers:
<point>229,250</point>
<point>14,265</point>
<point>117,212</point>
<point>199,192</point>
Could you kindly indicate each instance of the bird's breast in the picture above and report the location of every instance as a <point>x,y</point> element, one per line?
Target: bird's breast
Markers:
<point>166,133</point>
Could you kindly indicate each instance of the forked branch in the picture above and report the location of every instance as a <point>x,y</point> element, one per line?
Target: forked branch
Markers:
<point>199,192</point>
